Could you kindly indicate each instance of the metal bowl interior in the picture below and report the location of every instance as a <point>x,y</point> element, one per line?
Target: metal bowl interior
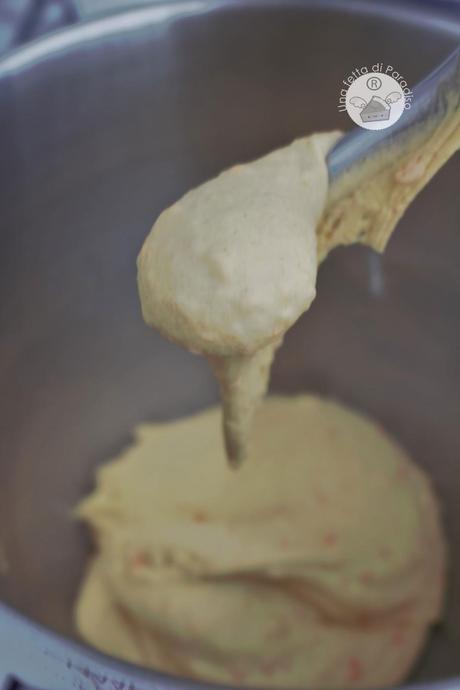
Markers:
<point>100,129</point>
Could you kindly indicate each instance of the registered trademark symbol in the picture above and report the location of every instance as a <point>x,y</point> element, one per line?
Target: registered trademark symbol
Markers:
<point>374,83</point>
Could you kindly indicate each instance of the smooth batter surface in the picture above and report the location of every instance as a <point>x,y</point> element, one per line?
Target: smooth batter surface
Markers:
<point>232,265</point>
<point>320,563</point>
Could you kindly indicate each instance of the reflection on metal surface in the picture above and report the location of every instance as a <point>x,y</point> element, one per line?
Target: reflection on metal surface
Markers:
<point>23,20</point>
<point>92,8</point>
<point>376,276</point>
<point>92,31</point>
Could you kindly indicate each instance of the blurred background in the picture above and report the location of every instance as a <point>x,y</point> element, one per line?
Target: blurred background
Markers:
<point>24,20</point>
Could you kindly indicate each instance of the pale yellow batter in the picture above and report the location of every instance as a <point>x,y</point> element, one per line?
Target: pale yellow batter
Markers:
<point>232,265</point>
<point>320,563</point>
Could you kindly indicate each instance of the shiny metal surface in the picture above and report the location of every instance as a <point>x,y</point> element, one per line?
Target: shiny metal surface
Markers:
<point>429,109</point>
<point>102,127</point>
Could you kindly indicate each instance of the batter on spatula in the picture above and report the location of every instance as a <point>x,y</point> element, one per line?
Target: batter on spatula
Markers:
<point>231,266</point>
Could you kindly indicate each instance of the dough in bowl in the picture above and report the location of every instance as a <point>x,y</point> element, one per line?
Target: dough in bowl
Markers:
<point>320,563</point>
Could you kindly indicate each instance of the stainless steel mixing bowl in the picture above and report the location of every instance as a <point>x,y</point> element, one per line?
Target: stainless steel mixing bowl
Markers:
<point>101,127</point>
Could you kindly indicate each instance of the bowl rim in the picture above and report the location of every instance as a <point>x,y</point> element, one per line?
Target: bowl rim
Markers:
<point>438,15</point>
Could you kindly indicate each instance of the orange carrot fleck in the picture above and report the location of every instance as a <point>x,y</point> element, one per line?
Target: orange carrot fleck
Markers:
<point>355,669</point>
